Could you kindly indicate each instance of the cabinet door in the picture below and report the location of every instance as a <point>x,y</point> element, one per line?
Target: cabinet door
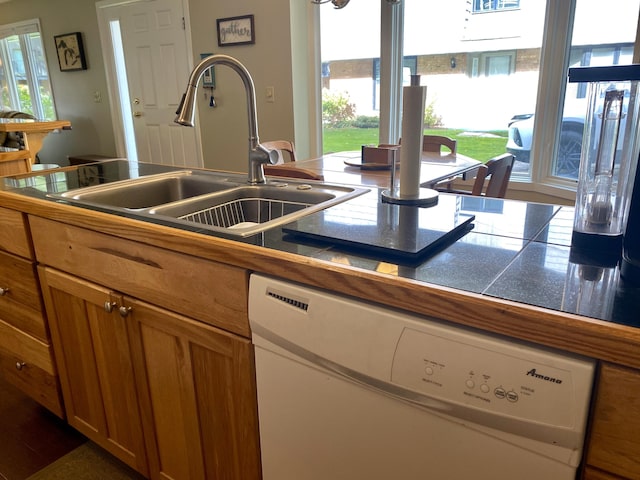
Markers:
<point>92,350</point>
<point>197,391</point>
<point>614,443</point>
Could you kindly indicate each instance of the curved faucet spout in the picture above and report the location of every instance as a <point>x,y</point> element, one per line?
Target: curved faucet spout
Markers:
<point>258,154</point>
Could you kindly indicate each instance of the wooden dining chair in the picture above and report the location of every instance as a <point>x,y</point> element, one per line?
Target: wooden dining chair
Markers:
<point>497,171</point>
<point>434,143</point>
<point>283,168</point>
<point>282,146</point>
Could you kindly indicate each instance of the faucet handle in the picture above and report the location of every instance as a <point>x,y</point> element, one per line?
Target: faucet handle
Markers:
<point>272,155</point>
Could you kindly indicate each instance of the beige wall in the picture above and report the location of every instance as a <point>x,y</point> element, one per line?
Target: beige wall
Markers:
<point>224,129</point>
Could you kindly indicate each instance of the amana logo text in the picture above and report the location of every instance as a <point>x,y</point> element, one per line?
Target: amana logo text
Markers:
<point>533,373</point>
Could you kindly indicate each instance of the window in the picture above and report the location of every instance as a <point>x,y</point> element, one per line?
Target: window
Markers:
<point>492,64</point>
<point>494,5</point>
<point>499,79</point>
<point>24,78</point>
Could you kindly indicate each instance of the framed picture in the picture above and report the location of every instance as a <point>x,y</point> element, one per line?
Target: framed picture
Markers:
<point>236,31</point>
<point>70,52</point>
<point>209,76</point>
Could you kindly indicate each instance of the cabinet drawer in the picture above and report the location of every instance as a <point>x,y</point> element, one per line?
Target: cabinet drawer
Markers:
<point>28,364</point>
<point>20,303</point>
<point>14,235</point>
<point>211,292</point>
<point>614,444</point>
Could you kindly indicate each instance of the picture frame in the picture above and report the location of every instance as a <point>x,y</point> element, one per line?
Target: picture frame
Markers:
<point>209,76</point>
<point>236,31</point>
<point>70,52</point>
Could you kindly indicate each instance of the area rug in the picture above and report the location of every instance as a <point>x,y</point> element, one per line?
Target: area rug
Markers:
<point>87,462</point>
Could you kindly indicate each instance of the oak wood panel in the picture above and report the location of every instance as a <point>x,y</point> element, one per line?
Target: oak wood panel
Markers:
<point>595,474</point>
<point>14,235</point>
<point>92,350</point>
<point>614,444</point>
<point>21,305</point>
<point>37,377</point>
<point>199,394</point>
<point>212,292</point>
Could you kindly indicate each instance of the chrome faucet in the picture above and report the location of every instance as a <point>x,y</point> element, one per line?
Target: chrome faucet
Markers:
<point>258,154</point>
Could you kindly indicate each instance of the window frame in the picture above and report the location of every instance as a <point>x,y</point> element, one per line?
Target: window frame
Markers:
<point>495,6</point>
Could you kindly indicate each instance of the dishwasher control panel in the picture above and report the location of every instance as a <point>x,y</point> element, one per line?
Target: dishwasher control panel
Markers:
<point>491,374</point>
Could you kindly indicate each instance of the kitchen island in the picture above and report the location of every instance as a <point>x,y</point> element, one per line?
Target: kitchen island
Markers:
<point>512,275</point>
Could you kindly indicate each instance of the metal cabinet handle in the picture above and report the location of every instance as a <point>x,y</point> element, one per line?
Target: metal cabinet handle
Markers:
<point>4,291</point>
<point>124,311</point>
<point>109,306</point>
<point>20,365</point>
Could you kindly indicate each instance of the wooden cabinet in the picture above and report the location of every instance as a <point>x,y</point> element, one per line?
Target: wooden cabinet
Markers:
<point>198,396</point>
<point>165,360</point>
<point>614,443</point>
<point>92,350</point>
<point>26,358</point>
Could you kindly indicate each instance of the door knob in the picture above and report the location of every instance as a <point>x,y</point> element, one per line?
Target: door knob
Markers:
<point>137,114</point>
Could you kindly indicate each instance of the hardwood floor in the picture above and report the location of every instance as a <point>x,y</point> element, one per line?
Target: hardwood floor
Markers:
<point>31,437</point>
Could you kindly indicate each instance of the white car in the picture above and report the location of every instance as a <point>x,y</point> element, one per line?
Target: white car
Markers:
<point>568,162</point>
<point>570,147</point>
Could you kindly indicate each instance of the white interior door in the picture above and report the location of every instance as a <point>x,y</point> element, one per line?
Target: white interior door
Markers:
<point>148,67</point>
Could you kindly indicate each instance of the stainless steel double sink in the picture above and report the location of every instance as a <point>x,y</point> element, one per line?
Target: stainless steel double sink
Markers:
<point>212,201</point>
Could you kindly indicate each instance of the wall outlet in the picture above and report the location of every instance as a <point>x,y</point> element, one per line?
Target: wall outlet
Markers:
<point>97,96</point>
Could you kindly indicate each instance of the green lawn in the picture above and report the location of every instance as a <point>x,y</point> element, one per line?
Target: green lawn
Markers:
<point>470,144</point>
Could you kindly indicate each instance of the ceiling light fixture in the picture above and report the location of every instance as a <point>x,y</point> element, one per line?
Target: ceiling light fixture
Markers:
<point>343,3</point>
<point>336,3</point>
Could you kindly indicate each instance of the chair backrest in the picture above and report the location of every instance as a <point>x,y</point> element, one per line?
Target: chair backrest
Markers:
<point>498,170</point>
<point>434,143</point>
<point>282,146</point>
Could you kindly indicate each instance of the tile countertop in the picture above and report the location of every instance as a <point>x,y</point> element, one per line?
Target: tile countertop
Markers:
<point>516,250</point>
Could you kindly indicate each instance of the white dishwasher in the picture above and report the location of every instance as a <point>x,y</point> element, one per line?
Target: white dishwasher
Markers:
<point>352,391</point>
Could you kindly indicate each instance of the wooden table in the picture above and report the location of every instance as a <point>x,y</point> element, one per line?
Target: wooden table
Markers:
<point>435,168</point>
<point>35,131</point>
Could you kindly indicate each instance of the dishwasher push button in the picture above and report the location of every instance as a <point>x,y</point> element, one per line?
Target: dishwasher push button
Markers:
<point>512,396</point>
